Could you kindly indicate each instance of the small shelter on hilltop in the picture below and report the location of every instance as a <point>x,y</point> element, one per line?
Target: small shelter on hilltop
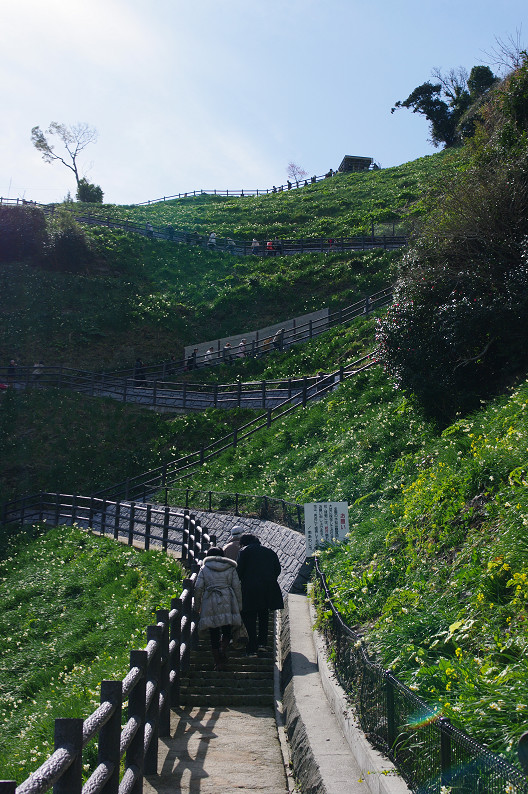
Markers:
<point>351,163</point>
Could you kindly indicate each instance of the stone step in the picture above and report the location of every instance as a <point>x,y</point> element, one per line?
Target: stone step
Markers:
<point>224,681</point>
<point>212,699</point>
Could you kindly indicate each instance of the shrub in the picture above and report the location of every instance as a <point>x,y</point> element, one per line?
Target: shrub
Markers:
<point>91,194</point>
<point>22,232</point>
<point>68,248</point>
<point>457,329</point>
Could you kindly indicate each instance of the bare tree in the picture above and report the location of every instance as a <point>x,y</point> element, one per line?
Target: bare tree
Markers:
<point>295,172</point>
<point>74,140</point>
<point>453,82</point>
<point>508,54</point>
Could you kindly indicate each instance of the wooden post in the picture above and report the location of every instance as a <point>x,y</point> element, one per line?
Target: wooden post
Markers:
<point>116,519</point>
<point>135,755</point>
<point>131,520</point>
<point>148,522</point>
<point>110,735</point>
<point>175,637</point>
<point>263,387</point>
<point>166,519</point>
<point>102,525</point>
<point>69,735</point>
<point>162,616</point>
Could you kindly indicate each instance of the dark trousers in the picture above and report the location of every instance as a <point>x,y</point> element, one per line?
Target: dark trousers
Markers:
<point>216,633</point>
<point>250,618</point>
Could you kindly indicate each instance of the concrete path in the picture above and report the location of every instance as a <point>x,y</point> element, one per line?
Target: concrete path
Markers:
<point>220,750</point>
<point>322,744</point>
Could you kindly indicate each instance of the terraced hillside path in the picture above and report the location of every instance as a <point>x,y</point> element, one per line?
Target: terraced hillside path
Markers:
<point>224,737</point>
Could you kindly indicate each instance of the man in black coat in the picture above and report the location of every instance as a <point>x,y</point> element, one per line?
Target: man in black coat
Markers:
<point>258,569</point>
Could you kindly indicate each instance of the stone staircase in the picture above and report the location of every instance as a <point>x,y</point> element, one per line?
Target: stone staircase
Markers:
<point>248,680</point>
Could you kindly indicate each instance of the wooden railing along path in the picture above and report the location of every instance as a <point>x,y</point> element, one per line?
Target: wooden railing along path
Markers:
<point>150,689</point>
<point>154,384</point>
<point>276,247</point>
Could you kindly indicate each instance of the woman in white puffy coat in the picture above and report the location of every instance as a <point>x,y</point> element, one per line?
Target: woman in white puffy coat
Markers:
<point>218,599</point>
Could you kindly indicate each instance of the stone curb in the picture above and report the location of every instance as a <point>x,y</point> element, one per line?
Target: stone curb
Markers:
<point>379,773</point>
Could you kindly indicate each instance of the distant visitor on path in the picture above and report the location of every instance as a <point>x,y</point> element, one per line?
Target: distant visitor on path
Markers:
<point>139,372</point>
<point>149,229</point>
<point>37,370</point>
<point>191,361</point>
<point>232,547</point>
<point>258,568</point>
<point>208,356</point>
<point>278,339</point>
<point>227,353</point>
<point>255,246</point>
<point>212,241</point>
<point>218,599</point>
<point>242,348</point>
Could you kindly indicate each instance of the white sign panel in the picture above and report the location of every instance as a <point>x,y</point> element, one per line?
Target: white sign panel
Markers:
<point>323,523</point>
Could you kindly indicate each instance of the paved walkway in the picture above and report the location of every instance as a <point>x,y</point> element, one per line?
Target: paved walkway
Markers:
<point>220,750</point>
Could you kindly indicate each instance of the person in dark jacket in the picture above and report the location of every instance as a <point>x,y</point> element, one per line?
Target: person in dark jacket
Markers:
<point>258,569</point>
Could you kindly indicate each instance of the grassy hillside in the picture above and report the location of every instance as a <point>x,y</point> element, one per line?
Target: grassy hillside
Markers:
<point>74,605</point>
<point>151,298</point>
<point>343,205</point>
<point>53,440</point>
<point>436,568</point>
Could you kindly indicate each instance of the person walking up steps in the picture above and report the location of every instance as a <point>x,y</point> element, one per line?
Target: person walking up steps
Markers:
<point>218,599</point>
<point>232,547</point>
<point>258,568</point>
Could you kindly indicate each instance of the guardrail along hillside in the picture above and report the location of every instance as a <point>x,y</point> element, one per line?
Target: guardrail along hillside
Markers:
<point>150,689</point>
<point>264,247</point>
<point>431,754</point>
<point>151,384</point>
<point>158,481</point>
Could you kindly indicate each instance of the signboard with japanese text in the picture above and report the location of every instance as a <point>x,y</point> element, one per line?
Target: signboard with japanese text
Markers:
<point>324,522</point>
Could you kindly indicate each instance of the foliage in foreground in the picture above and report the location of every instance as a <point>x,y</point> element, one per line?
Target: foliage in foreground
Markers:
<point>74,605</point>
<point>53,440</point>
<point>435,573</point>
<point>457,329</point>
<point>443,599</point>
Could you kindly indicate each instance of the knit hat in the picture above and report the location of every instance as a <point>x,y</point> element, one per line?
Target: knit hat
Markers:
<point>236,532</point>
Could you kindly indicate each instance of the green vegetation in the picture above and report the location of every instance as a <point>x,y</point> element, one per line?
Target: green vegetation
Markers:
<point>436,568</point>
<point>151,298</point>
<point>53,440</point>
<point>74,605</point>
<point>435,571</point>
<point>344,205</point>
<point>457,330</point>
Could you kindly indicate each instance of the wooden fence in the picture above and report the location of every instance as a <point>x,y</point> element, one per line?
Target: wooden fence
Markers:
<point>128,384</point>
<point>157,480</point>
<point>150,688</point>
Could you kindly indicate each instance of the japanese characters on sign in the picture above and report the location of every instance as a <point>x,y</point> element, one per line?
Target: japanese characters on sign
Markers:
<point>324,522</point>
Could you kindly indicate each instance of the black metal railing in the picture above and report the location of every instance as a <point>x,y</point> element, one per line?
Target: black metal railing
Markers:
<point>153,385</point>
<point>150,689</point>
<point>156,481</point>
<point>431,754</point>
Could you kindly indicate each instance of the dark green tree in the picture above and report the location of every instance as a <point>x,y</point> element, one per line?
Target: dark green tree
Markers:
<point>451,103</point>
<point>91,194</point>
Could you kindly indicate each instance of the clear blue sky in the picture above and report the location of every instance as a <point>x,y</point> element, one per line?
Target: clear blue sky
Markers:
<point>203,94</point>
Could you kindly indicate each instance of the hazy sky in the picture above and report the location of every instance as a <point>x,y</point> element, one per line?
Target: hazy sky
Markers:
<point>204,94</point>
